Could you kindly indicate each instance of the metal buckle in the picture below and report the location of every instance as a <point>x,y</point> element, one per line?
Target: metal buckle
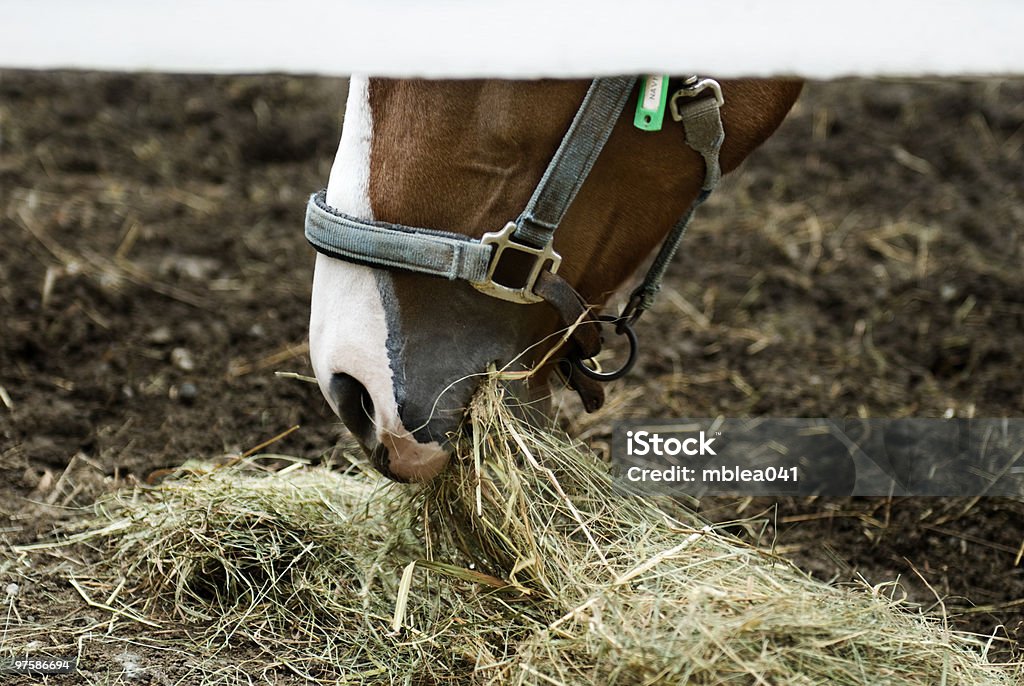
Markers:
<point>692,88</point>
<point>502,241</point>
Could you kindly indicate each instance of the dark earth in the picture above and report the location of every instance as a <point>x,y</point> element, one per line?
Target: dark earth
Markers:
<point>866,262</point>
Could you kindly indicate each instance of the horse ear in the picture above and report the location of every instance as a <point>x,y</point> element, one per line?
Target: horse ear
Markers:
<point>753,109</point>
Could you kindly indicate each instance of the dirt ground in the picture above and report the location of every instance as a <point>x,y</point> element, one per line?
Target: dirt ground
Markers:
<point>867,261</point>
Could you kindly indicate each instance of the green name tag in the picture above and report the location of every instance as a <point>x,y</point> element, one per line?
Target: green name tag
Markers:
<point>650,110</point>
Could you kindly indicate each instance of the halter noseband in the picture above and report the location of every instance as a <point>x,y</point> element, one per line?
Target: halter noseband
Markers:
<point>531,236</point>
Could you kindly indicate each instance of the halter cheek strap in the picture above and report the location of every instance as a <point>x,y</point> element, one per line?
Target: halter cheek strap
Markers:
<point>575,157</point>
<point>456,256</point>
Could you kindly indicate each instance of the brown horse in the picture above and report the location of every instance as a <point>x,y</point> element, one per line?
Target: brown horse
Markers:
<point>397,354</point>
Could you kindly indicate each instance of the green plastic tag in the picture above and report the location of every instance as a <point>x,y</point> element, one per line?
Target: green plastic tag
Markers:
<point>650,110</point>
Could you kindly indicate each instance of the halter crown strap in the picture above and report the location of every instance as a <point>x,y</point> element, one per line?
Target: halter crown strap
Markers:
<point>573,160</point>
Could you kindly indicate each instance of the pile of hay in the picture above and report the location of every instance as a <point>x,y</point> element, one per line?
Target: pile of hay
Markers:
<point>521,565</point>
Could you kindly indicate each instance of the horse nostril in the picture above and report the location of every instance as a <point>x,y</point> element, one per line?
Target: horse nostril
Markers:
<point>354,407</point>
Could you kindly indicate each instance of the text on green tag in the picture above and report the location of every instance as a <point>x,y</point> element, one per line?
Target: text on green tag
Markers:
<point>650,109</point>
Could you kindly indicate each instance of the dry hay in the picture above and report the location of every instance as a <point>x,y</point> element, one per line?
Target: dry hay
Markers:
<point>521,565</point>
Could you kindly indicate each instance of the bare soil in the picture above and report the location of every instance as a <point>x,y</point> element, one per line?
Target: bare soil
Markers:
<point>867,261</point>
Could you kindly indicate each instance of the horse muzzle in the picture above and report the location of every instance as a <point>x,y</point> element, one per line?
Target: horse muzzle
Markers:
<point>395,452</point>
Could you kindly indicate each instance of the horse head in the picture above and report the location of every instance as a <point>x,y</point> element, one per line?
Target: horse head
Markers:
<point>398,354</point>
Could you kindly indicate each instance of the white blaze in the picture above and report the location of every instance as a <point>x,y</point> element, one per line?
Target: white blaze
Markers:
<point>349,187</point>
<point>348,329</point>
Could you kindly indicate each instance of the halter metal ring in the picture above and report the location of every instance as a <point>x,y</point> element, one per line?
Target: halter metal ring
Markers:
<point>504,241</point>
<point>623,328</point>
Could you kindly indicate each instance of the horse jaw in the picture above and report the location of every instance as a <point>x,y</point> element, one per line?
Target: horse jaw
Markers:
<point>348,329</point>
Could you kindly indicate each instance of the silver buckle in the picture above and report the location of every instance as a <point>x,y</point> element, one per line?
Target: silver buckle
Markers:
<point>691,89</point>
<point>502,241</point>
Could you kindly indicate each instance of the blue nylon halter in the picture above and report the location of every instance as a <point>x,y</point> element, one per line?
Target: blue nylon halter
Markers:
<point>456,256</point>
